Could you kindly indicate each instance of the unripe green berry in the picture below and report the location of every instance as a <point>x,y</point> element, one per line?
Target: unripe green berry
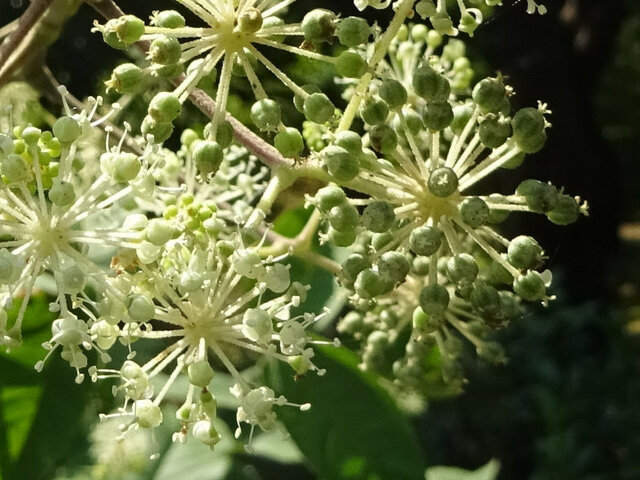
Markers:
<point>318,108</point>
<point>413,121</point>
<point>265,114</point>
<point>378,216</point>
<point>164,107</point>
<point>328,197</point>
<point>140,308</point>
<point>224,134</point>
<point>393,266</point>
<point>298,100</point>
<point>421,265</point>
<point>370,284</point>
<point>353,265</point>
<point>565,212</point>
<point>434,299</point>
<point>494,131</point>
<point>530,286</point>
<point>429,84</point>
<point>15,168</point>
<point>125,78</point>
<point>158,231</point>
<point>393,92</point>
<point>125,167</point>
<point>442,182</point>
<point>165,50</point>
<point>129,29</point>
<point>374,111</point>
<point>341,239</point>
<point>532,144</point>
<point>160,131</point>
<point>31,134</point>
<point>188,137</point>
<point>67,130</point>
<point>380,240</point>
<point>437,115</point>
<point>350,141</point>
<point>207,156</point>
<point>351,64</point>
<point>462,269</point>
<point>474,211</point>
<point>434,39</point>
<point>425,240</point>
<point>419,32</point>
<point>488,94</point>
<point>344,218</point>
<point>289,142</point>
<point>383,138</point>
<point>540,197</point>
<point>169,19</point>
<point>353,31</point>
<point>62,193</point>
<point>524,253</point>
<point>527,122</point>
<point>318,26</point>
<point>528,129</point>
<point>342,165</point>
<point>200,373</point>
<point>110,36</point>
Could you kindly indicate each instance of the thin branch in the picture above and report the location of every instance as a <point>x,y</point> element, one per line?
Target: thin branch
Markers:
<point>256,145</point>
<point>27,21</point>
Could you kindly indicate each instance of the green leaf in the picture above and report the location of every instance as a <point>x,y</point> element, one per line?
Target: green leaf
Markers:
<point>58,431</point>
<point>353,429</point>
<point>271,445</point>
<point>14,373</point>
<point>17,409</point>
<point>487,472</point>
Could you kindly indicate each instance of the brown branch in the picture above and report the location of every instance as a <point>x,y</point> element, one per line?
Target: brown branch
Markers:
<point>256,145</point>
<point>29,18</point>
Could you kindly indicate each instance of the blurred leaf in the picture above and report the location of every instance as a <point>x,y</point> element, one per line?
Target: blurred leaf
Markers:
<point>14,373</point>
<point>58,431</point>
<point>18,407</point>
<point>291,222</point>
<point>353,429</point>
<point>486,472</point>
<point>271,445</point>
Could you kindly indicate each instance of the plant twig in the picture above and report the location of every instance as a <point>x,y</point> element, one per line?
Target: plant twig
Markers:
<point>27,21</point>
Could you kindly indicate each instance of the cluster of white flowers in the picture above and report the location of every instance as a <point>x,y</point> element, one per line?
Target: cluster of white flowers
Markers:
<point>195,270</point>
